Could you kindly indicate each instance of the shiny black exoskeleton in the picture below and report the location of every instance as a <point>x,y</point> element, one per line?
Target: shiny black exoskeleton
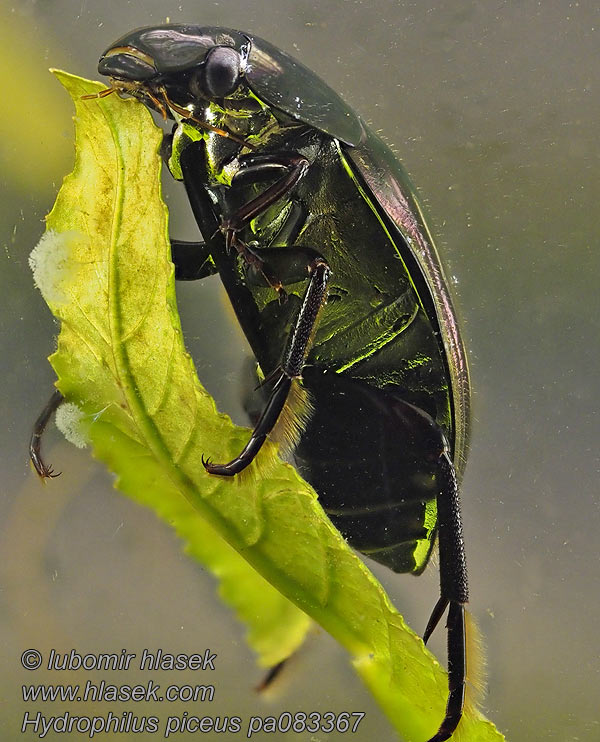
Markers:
<point>322,247</point>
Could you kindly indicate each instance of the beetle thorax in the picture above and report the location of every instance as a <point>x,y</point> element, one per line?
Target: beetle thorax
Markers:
<point>242,116</point>
<point>260,129</point>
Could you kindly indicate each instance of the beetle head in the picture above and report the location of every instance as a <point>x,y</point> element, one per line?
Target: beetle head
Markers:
<point>176,67</point>
<point>191,66</point>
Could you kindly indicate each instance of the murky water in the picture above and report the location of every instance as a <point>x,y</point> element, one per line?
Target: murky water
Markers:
<point>494,111</point>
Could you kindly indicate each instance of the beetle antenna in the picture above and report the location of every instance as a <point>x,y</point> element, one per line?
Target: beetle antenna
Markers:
<point>100,94</point>
<point>162,109</point>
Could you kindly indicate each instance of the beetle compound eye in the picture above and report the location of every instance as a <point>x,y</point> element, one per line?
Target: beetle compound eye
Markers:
<point>220,74</point>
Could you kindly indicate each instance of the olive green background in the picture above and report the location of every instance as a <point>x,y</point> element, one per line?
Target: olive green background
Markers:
<point>494,110</point>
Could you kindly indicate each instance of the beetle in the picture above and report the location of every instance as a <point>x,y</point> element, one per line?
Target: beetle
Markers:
<point>322,247</point>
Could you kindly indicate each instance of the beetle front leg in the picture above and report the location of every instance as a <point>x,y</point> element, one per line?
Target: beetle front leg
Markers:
<point>291,368</point>
<point>253,169</point>
<point>192,262</point>
<point>35,444</point>
<point>454,592</point>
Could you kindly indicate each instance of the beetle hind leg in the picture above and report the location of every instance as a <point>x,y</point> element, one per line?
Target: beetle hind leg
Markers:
<point>456,672</point>
<point>454,593</point>
<point>436,615</point>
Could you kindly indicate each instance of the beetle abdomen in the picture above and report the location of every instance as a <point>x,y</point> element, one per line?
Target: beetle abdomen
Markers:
<point>371,457</point>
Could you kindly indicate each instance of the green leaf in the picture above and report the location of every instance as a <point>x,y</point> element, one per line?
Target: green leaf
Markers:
<point>73,267</point>
<point>104,269</point>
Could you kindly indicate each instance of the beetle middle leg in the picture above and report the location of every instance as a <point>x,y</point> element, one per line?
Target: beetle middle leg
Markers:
<point>255,169</point>
<point>293,359</point>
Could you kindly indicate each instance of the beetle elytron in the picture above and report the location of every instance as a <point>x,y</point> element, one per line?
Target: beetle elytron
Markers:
<point>321,245</point>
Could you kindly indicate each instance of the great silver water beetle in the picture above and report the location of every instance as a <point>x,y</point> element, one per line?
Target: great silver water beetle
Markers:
<point>321,244</point>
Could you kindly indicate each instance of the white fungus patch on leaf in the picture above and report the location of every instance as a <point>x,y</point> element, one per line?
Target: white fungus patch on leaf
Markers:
<point>71,421</point>
<point>52,265</point>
